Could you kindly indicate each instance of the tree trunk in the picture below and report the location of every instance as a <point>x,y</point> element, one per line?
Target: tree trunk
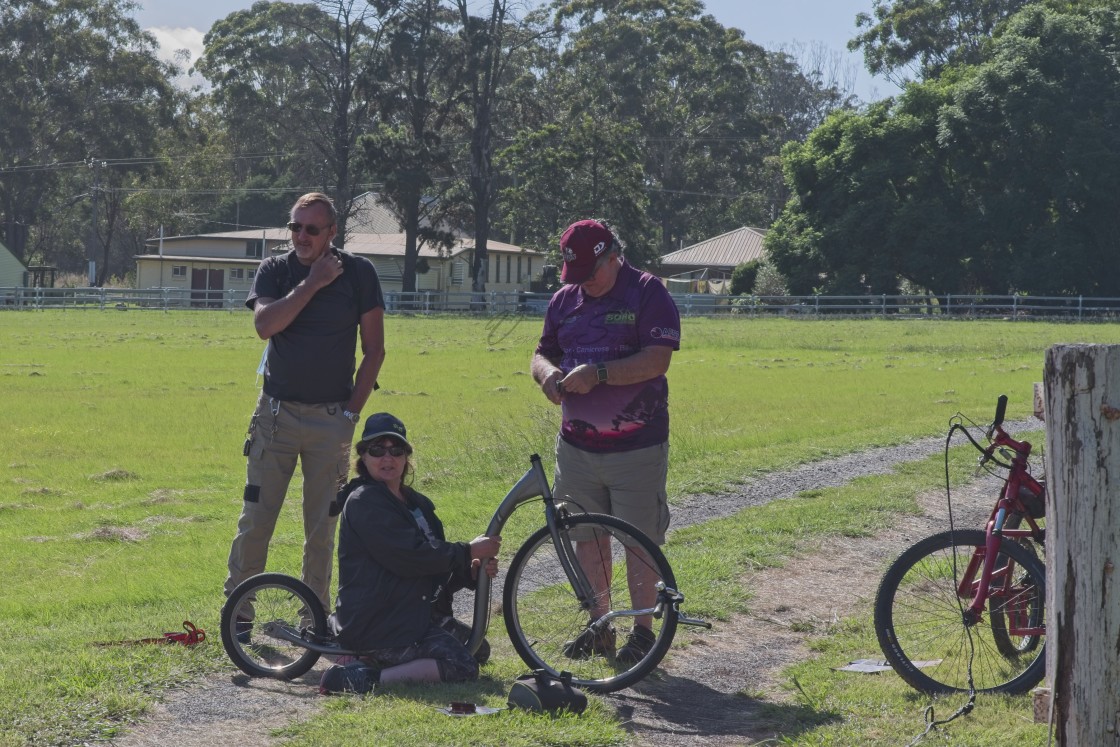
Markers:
<point>1083,546</point>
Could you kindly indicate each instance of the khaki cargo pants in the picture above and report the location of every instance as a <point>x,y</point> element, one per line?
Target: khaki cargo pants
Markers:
<point>319,436</point>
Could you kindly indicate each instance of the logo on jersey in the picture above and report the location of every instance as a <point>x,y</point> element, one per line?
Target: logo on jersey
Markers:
<point>620,317</point>
<point>664,333</point>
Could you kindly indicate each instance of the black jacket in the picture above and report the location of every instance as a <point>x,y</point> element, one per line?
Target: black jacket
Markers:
<point>390,576</point>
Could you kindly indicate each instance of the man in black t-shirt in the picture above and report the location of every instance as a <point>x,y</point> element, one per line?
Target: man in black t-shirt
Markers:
<point>311,304</point>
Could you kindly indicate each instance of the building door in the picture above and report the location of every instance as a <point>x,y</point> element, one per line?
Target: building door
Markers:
<point>206,288</point>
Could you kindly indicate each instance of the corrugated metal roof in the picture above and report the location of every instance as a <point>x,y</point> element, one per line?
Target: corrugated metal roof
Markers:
<point>372,244</point>
<point>725,251</point>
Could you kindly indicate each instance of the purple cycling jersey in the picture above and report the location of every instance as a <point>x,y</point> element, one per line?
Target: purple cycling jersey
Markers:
<point>637,312</point>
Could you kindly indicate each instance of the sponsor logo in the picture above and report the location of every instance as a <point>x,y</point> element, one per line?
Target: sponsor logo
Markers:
<point>664,333</point>
<point>620,317</point>
<point>600,247</point>
<point>569,254</point>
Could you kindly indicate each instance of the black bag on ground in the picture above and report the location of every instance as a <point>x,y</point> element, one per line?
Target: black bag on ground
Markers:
<point>541,692</point>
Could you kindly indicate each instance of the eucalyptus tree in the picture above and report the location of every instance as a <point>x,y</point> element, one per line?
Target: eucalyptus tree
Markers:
<point>906,40</point>
<point>498,48</point>
<point>80,83</point>
<point>300,83</point>
<point>408,151</point>
<point>691,86</point>
<point>587,166</point>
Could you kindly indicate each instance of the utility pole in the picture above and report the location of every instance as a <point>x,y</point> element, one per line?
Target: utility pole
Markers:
<point>1082,554</point>
<point>91,245</point>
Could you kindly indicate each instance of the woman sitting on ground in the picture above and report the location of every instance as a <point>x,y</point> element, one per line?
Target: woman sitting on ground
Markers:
<point>397,574</point>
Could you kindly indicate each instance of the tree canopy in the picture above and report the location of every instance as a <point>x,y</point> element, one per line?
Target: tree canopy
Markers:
<point>997,177</point>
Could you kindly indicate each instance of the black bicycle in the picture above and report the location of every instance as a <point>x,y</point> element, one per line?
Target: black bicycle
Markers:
<point>273,625</point>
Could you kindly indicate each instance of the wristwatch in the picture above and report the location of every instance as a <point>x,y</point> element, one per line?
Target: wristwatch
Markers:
<point>353,417</point>
<point>601,371</point>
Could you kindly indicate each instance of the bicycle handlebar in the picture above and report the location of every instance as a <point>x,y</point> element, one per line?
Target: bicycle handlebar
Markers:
<point>1001,410</point>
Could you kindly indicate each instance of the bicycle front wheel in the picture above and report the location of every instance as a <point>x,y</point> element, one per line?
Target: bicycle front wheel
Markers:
<point>921,627</point>
<point>259,617</point>
<point>547,622</point>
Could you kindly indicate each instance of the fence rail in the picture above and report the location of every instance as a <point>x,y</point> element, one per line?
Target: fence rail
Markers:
<point>1074,308</point>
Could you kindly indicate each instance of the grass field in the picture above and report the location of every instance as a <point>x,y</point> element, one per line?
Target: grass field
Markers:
<point>121,479</point>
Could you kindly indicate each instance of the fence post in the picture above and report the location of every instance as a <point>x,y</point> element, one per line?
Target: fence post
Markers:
<point>884,304</point>
<point>1014,307</point>
<point>1079,309</point>
<point>1082,555</point>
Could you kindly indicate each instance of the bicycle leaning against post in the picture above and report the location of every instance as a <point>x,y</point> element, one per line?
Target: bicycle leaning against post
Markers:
<point>930,607</point>
<point>274,626</point>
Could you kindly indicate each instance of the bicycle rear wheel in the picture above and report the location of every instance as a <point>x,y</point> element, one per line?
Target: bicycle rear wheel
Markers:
<point>255,615</point>
<point>544,617</point>
<point>921,628</point>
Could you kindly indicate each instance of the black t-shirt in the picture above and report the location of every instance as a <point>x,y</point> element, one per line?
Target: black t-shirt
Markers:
<point>312,361</point>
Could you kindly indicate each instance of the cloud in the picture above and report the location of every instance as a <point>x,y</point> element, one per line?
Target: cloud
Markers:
<point>181,47</point>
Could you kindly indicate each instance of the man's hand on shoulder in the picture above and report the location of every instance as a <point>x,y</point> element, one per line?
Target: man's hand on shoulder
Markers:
<point>325,270</point>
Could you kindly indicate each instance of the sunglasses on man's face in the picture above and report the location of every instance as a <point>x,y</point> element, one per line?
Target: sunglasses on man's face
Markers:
<point>380,451</point>
<point>312,230</point>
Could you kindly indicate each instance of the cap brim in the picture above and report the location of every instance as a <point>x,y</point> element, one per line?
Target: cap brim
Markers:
<point>392,434</point>
<point>576,275</point>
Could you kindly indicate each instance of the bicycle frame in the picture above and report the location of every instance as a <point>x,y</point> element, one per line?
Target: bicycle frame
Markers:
<point>532,485</point>
<point>993,581</point>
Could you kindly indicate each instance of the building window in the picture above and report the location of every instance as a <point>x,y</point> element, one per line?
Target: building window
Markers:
<point>509,266</point>
<point>236,273</point>
<point>251,274</point>
<point>178,271</point>
<point>254,248</point>
<point>519,268</point>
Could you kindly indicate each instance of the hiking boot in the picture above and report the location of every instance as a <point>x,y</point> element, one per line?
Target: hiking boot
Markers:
<point>243,629</point>
<point>354,677</point>
<point>638,644</point>
<point>591,642</point>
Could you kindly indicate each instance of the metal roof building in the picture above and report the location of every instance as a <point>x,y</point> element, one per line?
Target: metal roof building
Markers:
<point>717,257</point>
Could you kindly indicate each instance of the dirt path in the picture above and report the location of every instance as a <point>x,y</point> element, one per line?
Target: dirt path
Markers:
<point>717,691</point>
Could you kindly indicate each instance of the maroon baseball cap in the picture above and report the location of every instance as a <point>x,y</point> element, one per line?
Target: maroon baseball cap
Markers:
<point>582,245</point>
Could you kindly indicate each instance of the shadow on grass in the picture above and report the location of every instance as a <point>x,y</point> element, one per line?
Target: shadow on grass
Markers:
<point>685,707</point>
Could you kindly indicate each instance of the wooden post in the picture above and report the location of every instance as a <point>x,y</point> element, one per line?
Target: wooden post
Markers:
<point>1083,542</point>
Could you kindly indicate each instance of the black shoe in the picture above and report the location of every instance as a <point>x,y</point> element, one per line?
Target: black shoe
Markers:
<point>638,644</point>
<point>243,628</point>
<point>590,643</point>
<point>354,677</point>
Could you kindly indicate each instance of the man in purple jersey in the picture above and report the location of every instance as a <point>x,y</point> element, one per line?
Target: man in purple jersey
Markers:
<point>608,337</point>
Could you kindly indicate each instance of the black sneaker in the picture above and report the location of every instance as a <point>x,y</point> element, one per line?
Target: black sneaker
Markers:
<point>354,677</point>
<point>638,644</point>
<point>243,628</point>
<point>591,643</point>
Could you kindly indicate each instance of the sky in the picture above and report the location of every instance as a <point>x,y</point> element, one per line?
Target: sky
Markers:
<point>774,24</point>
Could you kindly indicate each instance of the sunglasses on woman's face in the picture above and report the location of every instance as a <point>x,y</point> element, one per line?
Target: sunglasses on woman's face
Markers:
<point>312,230</point>
<point>380,451</point>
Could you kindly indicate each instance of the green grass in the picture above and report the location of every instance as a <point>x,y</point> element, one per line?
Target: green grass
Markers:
<point>121,479</point>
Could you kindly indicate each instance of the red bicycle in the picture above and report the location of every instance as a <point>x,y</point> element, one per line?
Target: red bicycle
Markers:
<point>930,608</point>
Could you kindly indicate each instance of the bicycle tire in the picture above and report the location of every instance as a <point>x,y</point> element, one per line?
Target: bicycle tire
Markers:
<point>918,618</point>
<point>543,616</point>
<point>278,599</point>
<point>1008,644</point>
